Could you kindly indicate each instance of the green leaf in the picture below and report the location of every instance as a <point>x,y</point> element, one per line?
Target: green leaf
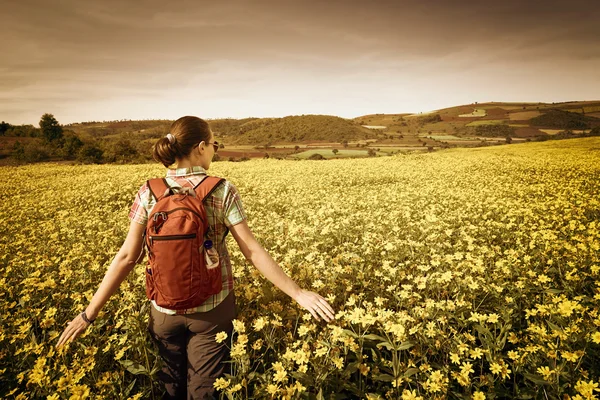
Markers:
<point>536,379</point>
<point>405,345</point>
<point>554,327</point>
<point>320,395</point>
<point>350,333</point>
<point>375,338</point>
<point>411,372</point>
<point>383,378</point>
<point>133,367</point>
<point>352,367</point>
<point>387,345</point>
<point>130,387</point>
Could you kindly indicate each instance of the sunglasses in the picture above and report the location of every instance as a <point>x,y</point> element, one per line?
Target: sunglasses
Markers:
<point>215,145</point>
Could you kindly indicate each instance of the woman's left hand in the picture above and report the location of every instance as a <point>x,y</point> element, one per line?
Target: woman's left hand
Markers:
<point>73,330</point>
<point>316,305</point>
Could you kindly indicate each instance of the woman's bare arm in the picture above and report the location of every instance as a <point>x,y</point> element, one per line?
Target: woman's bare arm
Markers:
<point>118,270</point>
<point>263,261</point>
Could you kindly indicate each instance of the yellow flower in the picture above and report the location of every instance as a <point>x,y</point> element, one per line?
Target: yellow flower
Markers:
<point>455,358</point>
<point>272,389</point>
<point>364,369</point>
<point>566,307</point>
<point>478,396</point>
<point>410,395</point>
<point>569,356</point>
<point>239,326</point>
<point>221,383</point>
<point>476,353</point>
<point>220,337</point>
<point>280,376</point>
<point>466,368</point>
<point>338,362</point>
<point>303,330</point>
<point>492,318</point>
<point>236,388</point>
<point>545,372</point>
<point>596,337</point>
<point>495,368</point>
<point>586,389</point>
<point>238,350</point>
<point>260,323</point>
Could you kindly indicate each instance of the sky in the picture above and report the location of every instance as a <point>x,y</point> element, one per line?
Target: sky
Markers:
<point>87,60</point>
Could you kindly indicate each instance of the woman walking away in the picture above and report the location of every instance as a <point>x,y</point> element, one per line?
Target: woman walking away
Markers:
<point>182,221</point>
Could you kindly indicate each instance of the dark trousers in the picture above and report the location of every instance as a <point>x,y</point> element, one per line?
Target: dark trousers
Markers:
<point>192,360</point>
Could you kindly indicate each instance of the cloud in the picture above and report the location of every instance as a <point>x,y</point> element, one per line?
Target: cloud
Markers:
<point>89,55</point>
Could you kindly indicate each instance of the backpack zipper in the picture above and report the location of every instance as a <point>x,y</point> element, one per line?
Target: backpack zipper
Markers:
<point>172,237</point>
<point>184,208</point>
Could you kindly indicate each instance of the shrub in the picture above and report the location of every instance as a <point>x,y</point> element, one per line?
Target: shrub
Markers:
<point>71,145</point>
<point>33,151</point>
<point>90,153</point>
<point>121,151</point>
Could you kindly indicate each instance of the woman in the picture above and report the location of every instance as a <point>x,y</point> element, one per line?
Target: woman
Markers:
<point>192,360</point>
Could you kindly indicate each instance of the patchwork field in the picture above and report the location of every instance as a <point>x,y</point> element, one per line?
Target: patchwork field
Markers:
<point>523,116</point>
<point>458,274</point>
<point>478,112</point>
<point>486,122</point>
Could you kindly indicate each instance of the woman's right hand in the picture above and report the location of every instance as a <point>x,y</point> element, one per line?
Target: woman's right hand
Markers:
<point>316,305</point>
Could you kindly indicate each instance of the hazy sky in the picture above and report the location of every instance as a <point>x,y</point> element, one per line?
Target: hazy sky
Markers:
<point>104,60</point>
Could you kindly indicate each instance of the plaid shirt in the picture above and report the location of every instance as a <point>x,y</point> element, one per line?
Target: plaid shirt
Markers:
<point>223,210</point>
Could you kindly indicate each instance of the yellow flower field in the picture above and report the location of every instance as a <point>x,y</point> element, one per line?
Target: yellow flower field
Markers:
<point>465,273</point>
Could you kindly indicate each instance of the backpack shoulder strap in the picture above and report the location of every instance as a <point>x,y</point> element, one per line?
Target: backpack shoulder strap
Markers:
<point>207,186</point>
<point>158,187</point>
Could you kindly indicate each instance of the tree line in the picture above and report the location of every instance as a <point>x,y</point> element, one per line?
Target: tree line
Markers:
<point>51,142</point>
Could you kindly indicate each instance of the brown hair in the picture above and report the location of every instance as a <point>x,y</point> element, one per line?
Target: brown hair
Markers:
<point>187,132</point>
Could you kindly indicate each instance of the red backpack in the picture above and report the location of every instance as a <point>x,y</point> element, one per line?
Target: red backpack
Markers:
<point>176,276</point>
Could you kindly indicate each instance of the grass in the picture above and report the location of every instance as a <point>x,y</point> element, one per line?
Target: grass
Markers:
<point>487,122</point>
<point>441,137</point>
<point>327,153</point>
<point>478,112</point>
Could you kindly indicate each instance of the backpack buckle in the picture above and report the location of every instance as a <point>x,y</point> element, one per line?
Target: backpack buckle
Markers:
<point>159,219</point>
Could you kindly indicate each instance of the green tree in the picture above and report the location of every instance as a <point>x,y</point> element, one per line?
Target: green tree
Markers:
<point>31,152</point>
<point>71,145</point>
<point>52,132</point>
<point>120,151</point>
<point>335,151</point>
<point>90,153</point>
<point>4,126</point>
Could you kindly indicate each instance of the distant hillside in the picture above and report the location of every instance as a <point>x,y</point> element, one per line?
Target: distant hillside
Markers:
<point>257,131</point>
<point>139,130</point>
<point>299,136</point>
<point>304,128</point>
<point>564,120</point>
